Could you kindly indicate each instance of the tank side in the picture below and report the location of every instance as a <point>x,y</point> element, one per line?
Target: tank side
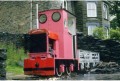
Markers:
<point>68,51</point>
<point>56,27</point>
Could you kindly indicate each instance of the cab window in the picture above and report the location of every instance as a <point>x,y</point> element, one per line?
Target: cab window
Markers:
<point>42,18</point>
<point>56,16</point>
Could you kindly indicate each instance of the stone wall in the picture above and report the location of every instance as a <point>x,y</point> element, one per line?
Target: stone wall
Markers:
<point>109,49</point>
<point>14,16</point>
<point>8,38</point>
<point>3,57</point>
<point>79,15</point>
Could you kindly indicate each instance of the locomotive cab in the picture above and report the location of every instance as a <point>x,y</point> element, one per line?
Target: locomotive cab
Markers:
<point>41,42</point>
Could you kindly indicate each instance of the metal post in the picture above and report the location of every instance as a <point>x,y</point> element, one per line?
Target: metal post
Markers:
<point>63,4</point>
<point>31,15</point>
<point>37,24</point>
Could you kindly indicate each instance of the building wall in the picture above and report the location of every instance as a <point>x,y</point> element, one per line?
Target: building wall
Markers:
<point>83,21</point>
<point>81,13</point>
<point>78,7</point>
<point>106,22</point>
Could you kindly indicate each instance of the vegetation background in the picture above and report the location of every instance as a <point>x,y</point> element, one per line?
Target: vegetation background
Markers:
<point>14,21</point>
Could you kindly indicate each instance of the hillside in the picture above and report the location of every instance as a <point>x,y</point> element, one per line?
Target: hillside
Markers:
<point>14,16</point>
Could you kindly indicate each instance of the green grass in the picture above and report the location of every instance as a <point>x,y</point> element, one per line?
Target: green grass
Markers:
<point>13,57</point>
<point>15,70</point>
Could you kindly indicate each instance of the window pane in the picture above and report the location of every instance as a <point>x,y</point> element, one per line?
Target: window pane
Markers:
<point>36,43</point>
<point>91,9</point>
<point>105,11</point>
<point>56,16</point>
<point>42,18</point>
<point>64,4</point>
<point>91,29</point>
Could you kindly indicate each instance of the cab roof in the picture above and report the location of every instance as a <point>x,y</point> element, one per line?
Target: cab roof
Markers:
<point>58,10</point>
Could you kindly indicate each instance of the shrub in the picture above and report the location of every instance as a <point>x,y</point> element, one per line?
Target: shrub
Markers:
<point>99,33</point>
<point>115,34</point>
<point>14,56</point>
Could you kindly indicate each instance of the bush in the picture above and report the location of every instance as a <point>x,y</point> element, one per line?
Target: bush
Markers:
<point>14,56</point>
<point>99,33</point>
<point>115,34</point>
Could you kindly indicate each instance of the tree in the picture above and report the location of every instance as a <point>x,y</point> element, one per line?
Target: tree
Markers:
<point>115,10</point>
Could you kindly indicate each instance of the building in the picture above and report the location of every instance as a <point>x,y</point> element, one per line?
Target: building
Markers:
<point>89,14</point>
<point>93,14</point>
<point>88,59</point>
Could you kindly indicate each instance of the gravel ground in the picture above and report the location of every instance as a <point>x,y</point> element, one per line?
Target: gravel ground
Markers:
<point>88,76</point>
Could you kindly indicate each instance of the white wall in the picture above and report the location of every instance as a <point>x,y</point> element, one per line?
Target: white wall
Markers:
<point>87,57</point>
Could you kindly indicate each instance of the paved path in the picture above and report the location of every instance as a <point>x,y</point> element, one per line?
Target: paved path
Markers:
<point>11,76</point>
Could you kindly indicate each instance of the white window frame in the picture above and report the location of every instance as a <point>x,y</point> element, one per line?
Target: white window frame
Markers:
<point>105,11</point>
<point>91,9</point>
<point>91,29</point>
<point>63,4</point>
<point>107,32</point>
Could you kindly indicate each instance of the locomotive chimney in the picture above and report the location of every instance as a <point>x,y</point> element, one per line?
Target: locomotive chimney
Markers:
<point>37,24</point>
<point>31,15</point>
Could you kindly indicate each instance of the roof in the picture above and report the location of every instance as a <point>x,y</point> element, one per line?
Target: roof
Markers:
<point>58,9</point>
<point>51,35</point>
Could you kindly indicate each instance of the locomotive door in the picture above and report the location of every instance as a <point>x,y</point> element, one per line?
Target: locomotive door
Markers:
<point>72,31</point>
<point>52,50</point>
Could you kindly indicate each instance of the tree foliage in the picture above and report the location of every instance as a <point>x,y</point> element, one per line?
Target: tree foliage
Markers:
<point>113,33</point>
<point>115,10</point>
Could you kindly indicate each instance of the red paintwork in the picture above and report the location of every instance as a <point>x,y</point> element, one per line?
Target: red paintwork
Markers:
<point>38,31</point>
<point>62,68</point>
<point>71,67</point>
<point>44,63</point>
<point>41,55</point>
<point>51,35</point>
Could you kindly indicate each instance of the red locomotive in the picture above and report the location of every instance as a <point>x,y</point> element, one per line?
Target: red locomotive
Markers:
<point>52,47</point>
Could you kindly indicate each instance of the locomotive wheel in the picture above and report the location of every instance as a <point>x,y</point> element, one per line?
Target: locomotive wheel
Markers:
<point>68,71</point>
<point>58,73</point>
